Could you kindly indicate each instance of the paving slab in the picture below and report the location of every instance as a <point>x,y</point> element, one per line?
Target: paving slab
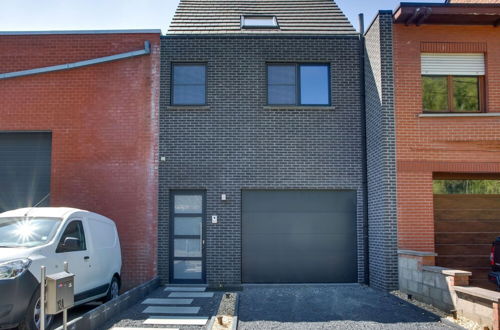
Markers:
<point>134,317</point>
<point>171,310</point>
<point>191,295</point>
<point>121,328</point>
<point>176,320</point>
<point>186,288</point>
<point>167,301</point>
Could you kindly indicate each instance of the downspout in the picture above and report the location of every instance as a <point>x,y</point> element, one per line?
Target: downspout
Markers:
<point>364,153</point>
<point>74,65</point>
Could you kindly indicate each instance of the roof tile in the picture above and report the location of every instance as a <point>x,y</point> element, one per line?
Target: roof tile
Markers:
<point>294,17</point>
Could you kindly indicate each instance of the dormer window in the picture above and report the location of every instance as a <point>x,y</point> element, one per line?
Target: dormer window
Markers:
<point>259,22</point>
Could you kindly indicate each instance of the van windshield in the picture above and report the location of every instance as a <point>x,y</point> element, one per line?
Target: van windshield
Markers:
<point>27,232</point>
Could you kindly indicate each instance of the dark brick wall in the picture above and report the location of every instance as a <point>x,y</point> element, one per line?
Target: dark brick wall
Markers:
<point>381,157</point>
<point>236,142</point>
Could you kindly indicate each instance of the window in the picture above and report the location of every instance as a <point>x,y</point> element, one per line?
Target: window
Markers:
<point>298,84</point>
<point>188,84</point>
<point>73,238</point>
<point>259,22</point>
<point>483,187</point>
<point>453,83</point>
<point>27,232</point>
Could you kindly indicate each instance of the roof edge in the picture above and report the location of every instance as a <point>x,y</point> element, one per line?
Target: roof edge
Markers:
<point>261,36</point>
<point>131,31</point>
<point>446,5</point>
<point>380,12</point>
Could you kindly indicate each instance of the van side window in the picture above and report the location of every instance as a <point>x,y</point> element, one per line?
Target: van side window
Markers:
<point>73,238</point>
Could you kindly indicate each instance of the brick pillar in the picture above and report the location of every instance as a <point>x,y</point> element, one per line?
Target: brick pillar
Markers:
<point>460,280</point>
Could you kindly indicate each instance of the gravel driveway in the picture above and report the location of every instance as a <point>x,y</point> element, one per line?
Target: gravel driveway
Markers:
<point>329,307</point>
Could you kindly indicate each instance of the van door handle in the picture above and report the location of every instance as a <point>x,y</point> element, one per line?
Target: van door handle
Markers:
<point>86,258</point>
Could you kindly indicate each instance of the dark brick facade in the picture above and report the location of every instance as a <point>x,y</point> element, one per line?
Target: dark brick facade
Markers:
<point>381,155</point>
<point>236,142</point>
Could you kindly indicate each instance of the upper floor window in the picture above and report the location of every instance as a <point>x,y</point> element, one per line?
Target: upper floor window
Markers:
<point>189,84</point>
<point>259,22</point>
<point>453,82</point>
<point>298,84</point>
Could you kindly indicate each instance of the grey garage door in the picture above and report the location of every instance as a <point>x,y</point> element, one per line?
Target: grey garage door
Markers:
<point>299,237</point>
<point>24,169</point>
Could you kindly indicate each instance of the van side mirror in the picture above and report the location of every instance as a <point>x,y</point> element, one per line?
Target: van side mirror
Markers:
<point>71,244</point>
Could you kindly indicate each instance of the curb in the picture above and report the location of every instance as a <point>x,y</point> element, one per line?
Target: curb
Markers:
<point>210,323</point>
<point>451,324</point>
<point>102,314</point>
<point>234,326</point>
<point>236,310</point>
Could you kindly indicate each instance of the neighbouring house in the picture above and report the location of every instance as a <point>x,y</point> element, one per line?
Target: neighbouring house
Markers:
<point>261,148</point>
<point>433,83</point>
<point>79,128</point>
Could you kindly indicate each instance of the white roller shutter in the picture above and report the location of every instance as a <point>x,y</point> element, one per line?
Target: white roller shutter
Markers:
<point>453,64</point>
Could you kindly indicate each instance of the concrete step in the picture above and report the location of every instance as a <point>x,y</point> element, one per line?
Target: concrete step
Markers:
<point>191,295</point>
<point>186,288</point>
<point>171,310</point>
<point>159,301</point>
<point>176,320</point>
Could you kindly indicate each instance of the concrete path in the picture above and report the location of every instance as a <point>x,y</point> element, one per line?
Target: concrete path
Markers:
<point>329,307</point>
<point>182,308</point>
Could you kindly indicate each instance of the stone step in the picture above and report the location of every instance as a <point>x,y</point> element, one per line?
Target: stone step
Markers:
<point>191,295</point>
<point>186,288</point>
<point>171,310</point>
<point>176,320</point>
<point>159,301</point>
<point>125,328</point>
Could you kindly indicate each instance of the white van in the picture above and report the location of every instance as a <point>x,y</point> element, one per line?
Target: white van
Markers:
<point>49,236</point>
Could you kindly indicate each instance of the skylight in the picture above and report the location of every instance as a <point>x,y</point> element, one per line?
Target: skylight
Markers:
<point>266,22</point>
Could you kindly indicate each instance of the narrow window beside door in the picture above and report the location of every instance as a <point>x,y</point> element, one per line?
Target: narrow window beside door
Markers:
<point>187,237</point>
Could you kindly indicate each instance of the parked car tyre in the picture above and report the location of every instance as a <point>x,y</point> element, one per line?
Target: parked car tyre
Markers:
<point>114,289</point>
<point>32,320</point>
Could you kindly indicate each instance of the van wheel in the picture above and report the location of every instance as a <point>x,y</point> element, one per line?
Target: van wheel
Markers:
<point>114,289</point>
<point>32,320</point>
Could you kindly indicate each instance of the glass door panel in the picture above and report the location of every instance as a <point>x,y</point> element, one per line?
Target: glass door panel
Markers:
<point>187,247</point>
<point>187,226</point>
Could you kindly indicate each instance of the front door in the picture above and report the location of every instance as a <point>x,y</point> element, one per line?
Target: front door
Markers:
<point>187,237</point>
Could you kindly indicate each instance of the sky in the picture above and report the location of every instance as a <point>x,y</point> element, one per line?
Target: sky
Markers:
<point>41,15</point>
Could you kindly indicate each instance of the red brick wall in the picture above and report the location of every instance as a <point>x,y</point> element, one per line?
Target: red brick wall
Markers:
<point>430,145</point>
<point>103,120</point>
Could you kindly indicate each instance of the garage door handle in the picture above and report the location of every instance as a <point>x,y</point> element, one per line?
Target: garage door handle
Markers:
<point>86,258</point>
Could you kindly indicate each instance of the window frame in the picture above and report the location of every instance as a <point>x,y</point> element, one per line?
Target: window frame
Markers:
<point>298,96</point>
<point>172,66</point>
<point>246,26</point>
<point>451,90</point>
<point>59,246</point>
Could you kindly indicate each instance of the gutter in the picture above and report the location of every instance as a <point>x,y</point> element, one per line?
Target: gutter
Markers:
<point>419,16</point>
<point>364,153</point>
<point>74,65</point>
<point>52,32</point>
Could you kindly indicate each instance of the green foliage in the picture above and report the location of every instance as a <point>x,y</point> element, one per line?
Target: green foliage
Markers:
<point>466,93</point>
<point>466,187</point>
<point>435,93</point>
